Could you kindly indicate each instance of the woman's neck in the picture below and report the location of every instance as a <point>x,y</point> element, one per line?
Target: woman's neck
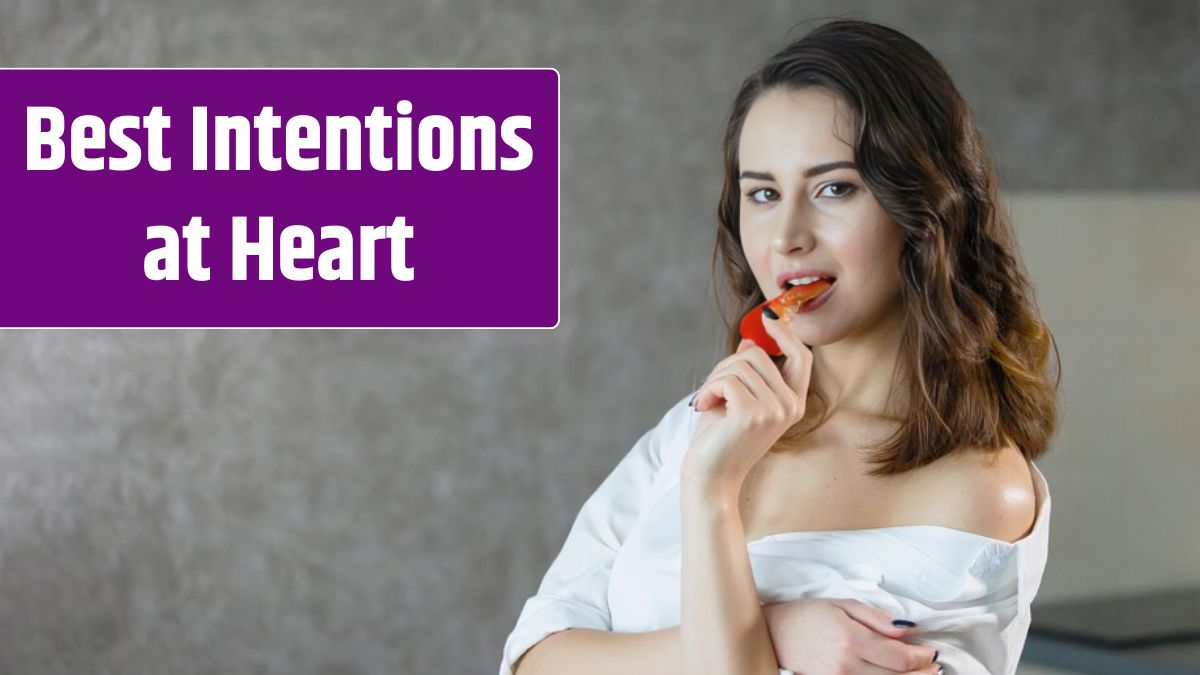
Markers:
<point>855,373</point>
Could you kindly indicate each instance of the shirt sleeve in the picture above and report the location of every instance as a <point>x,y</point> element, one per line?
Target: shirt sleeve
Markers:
<point>574,591</point>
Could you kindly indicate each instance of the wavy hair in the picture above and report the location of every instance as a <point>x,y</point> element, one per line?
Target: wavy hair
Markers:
<point>974,350</point>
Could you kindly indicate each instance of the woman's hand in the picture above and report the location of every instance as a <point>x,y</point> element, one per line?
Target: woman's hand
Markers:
<point>748,403</point>
<point>843,637</point>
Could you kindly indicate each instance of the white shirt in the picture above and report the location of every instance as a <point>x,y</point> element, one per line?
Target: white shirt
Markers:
<point>619,569</point>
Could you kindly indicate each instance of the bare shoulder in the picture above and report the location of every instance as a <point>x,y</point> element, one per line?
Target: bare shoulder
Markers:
<point>990,493</point>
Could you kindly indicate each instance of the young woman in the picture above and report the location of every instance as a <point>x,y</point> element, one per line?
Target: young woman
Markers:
<point>867,502</point>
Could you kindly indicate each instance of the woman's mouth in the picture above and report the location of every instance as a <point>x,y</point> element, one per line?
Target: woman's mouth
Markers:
<point>815,303</point>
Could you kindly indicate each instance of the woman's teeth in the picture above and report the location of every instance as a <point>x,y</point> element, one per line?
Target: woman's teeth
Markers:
<point>802,280</point>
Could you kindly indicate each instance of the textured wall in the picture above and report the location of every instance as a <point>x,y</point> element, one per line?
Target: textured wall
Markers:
<point>383,501</point>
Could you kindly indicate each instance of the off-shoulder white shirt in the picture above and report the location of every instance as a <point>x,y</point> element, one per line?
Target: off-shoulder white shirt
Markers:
<point>619,569</point>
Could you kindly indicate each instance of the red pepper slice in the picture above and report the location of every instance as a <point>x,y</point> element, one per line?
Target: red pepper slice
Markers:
<point>784,306</point>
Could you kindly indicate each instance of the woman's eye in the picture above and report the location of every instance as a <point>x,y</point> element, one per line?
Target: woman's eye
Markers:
<point>839,190</point>
<point>750,195</point>
<point>845,189</point>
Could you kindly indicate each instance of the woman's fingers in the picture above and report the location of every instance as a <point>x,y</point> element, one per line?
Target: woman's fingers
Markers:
<point>750,375</point>
<point>768,385</point>
<point>876,619</point>
<point>894,655</point>
<point>880,641</point>
<point>932,669</point>
<point>736,393</point>
<point>739,371</point>
<point>797,367</point>
<point>705,398</point>
<point>770,374</point>
<point>864,668</point>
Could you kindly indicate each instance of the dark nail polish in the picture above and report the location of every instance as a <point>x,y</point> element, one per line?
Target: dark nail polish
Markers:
<point>904,623</point>
<point>935,655</point>
<point>692,403</point>
<point>941,671</point>
<point>769,313</point>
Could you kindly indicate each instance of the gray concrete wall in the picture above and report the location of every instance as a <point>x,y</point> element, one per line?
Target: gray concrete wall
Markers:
<point>383,501</point>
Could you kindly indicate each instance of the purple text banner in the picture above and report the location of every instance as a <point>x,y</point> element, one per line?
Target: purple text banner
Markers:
<point>279,198</point>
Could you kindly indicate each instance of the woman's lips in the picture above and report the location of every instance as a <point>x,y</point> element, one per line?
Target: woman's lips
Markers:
<point>782,308</point>
<point>816,302</point>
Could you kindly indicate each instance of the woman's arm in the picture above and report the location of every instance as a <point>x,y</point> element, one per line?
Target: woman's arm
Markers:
<point>583,651</point>
<point>722,628</point>
<point>573,594</point>
<point>566,627</point>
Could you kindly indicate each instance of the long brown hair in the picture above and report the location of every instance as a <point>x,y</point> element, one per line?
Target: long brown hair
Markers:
<point>974,351</point>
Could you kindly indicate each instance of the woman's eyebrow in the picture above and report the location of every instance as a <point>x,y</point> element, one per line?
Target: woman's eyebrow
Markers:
<point>808,173</point>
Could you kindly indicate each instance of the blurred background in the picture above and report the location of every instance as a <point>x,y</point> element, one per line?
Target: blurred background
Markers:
<point>336,502</point>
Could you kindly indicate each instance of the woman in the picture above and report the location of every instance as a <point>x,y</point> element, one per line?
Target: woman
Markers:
<point>882,468</point>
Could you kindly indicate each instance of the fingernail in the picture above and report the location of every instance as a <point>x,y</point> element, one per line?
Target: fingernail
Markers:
<point>941,671</point>
<point>904,623</point>
<point>692,403</point>
<point>935,655</point>
<point>769,313</point>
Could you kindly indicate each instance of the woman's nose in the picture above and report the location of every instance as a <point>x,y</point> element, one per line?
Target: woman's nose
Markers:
<point>792,232</point>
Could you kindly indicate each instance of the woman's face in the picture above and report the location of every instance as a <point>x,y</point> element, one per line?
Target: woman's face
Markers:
<point>805,206</point>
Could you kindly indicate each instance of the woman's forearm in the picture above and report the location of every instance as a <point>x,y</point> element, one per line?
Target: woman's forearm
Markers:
<point>722,629</point>
<point>583,651</point>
